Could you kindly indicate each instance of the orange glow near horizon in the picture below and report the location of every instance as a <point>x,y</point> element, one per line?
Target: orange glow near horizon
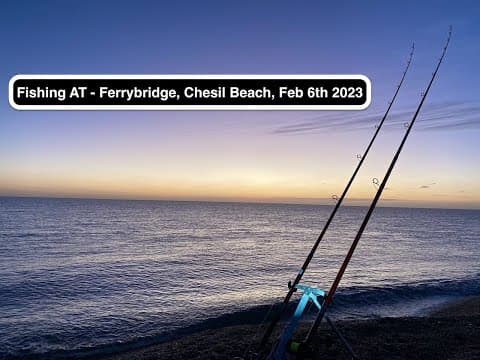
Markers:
<point>232,156</point>
<point>255,186</point>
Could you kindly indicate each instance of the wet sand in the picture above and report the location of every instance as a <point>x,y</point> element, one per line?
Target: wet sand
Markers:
<point>450,332</point>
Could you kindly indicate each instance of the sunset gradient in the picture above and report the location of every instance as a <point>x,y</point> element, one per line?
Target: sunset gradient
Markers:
<point>272,156</point>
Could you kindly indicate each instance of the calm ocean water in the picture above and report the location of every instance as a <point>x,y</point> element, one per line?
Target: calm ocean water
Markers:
<point>91,276</point>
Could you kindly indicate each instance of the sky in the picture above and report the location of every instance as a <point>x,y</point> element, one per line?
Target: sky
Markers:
<point>274,156</point>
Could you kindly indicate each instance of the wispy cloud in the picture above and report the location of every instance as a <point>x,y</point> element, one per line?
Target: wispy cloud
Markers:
<point>440,116</point>
<point>427,186</point>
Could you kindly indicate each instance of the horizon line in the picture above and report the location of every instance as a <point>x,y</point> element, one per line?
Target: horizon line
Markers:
<point>233,201</point>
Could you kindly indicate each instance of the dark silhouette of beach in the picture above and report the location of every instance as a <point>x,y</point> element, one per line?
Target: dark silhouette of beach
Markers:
<point>450,332</point>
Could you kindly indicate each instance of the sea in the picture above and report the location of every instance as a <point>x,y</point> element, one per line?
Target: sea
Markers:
<point>82,277</point>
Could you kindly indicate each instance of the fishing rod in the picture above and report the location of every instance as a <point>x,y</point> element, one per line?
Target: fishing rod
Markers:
<point>328,299</point>
<point>292,286</point>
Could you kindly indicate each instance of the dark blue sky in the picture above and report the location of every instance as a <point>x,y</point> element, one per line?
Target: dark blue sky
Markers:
<point>231,37</point>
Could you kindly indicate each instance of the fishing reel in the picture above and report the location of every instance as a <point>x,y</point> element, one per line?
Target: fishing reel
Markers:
<point>290,285</point>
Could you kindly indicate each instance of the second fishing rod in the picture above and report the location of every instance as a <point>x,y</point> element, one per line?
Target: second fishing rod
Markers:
<point>328,299</point>
<point>296,281</point>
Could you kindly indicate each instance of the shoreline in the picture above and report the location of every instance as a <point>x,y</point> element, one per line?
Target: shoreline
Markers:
<point>450,331</point>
